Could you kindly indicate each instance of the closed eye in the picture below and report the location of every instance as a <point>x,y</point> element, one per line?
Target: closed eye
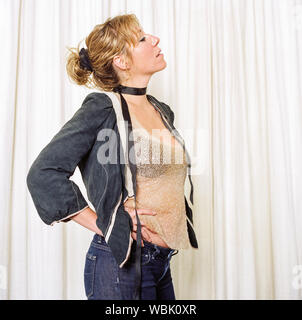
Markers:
<point>142,39</point>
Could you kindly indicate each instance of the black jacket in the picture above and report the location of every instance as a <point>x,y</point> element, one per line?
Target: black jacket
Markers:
<point>80,142</point>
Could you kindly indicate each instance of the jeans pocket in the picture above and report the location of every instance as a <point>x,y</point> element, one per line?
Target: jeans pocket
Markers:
<point>89,274</point>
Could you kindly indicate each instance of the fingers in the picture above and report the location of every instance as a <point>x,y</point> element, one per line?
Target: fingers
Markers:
<point>131,211</point>
<point>135,225</point>
<point>144,231</point>
<point>133,234</point>
<point>144,234</point>
<point>132,214</point>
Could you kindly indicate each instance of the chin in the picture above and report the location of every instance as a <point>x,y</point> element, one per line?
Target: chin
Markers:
<point>163,66</point>
<point>160,67</point>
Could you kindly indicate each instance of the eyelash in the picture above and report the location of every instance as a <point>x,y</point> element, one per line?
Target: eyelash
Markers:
<point>143,38</point>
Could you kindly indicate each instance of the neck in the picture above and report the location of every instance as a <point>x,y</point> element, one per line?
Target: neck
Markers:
<point>138,82</point>
<point>136,99</point>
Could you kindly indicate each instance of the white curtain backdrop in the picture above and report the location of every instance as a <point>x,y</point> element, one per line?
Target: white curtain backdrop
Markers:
<point>233,78</point>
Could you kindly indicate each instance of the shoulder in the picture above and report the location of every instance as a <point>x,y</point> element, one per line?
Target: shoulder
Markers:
<point>95,108</point>
<point>94,111</point>
<point>98,100</point>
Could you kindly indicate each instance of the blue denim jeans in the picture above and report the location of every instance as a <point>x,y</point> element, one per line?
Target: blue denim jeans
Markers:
<point>104,280</point>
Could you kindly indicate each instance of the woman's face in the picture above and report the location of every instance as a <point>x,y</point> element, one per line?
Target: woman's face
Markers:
<point>145,55</point>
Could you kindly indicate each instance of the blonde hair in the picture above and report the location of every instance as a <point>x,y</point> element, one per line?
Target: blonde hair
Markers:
<point>114,37</point>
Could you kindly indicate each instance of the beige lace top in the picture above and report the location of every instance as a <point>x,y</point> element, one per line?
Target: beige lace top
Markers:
<point>161,172</point>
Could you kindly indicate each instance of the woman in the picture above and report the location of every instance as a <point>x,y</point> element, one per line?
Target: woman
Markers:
<point>129,257</point>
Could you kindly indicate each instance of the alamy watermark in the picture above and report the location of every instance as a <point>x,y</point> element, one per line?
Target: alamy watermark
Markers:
<point>109,153</point>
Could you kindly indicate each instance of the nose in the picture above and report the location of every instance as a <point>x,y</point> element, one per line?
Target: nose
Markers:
<point>155,40</point>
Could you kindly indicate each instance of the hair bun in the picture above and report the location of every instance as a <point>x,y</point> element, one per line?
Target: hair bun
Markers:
<point>85,62</point>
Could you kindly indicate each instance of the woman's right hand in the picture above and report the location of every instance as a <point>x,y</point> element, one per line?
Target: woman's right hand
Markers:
<point>144,229</point>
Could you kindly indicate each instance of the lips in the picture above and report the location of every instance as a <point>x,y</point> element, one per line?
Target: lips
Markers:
<point>158,53</point>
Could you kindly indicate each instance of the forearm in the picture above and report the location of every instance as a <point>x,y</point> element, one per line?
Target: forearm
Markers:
<point>87,218</point>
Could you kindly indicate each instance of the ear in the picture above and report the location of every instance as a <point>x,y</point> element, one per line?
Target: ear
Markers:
<point>120,62</point>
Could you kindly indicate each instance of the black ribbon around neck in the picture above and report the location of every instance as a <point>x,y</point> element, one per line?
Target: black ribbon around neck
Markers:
<point>130,90</point>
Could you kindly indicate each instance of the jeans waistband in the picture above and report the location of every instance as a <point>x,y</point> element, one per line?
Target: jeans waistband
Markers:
<point>156,249</point>
<point>99,239</point>
<point>159,250</point>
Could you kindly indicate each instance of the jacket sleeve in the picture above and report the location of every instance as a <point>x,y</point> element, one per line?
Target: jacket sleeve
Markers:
<point>55,196</point>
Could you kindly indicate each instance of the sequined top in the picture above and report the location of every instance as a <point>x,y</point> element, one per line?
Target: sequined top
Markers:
<point>161,172</point>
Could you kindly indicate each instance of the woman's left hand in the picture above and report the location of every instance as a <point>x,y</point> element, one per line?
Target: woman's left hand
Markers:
<point>146,233</point>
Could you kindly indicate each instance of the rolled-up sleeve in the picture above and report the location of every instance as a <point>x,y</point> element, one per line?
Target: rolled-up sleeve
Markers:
<point>55,196</point>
